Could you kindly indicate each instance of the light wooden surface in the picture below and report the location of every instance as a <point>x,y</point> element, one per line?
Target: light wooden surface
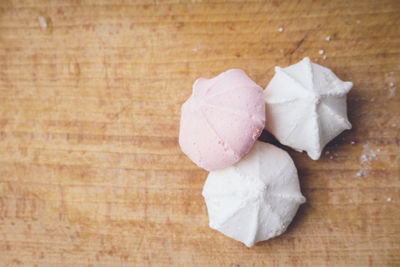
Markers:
<point>91,173</point>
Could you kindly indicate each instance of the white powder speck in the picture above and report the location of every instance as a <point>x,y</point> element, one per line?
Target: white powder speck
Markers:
<point>321,52</point>
<point>43,22</point>
<point>331,157</point>
<point>368,154</point>
<point>328,38</point>
<point>392,91</point>
<point>378,150</point>
<point>364,158</point>
<point>324,57</point>
<point>394,125</point>
<point>391,84</point>
<point>351,201</point>
<point>327,152</point>
<point>280,29</point>
<point>373,99</point>
<point>352,142</point>
<point>389,199</point>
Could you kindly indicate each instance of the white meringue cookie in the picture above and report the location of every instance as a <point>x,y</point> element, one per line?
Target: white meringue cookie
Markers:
<point>255,199</point>
<point>306,106</point>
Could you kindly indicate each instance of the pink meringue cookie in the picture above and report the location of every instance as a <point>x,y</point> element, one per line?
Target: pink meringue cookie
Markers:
<point>222,119</point>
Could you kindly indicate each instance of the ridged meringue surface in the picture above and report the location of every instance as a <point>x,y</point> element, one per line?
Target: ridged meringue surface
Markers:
<point>221,119</point>
<point>306,106</point>
<point>257,198</point>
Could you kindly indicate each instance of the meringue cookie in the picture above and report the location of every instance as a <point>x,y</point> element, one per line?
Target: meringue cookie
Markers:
<point>257,198</point>
<point>221,119</point>
<point>306,106</point>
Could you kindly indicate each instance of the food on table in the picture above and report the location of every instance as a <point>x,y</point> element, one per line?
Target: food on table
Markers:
<point>255,199</point>
<point>222,119</point>
<point>306,106</point>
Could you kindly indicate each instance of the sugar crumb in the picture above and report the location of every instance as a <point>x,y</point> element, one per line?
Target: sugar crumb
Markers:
<point>391,84</point>
<point>392,91</point>
<point>324,57</point>
<point>352,142</point>
<point>328,38</point>
<point>43,22</point>
<point>280,29</point>
<point>389,199</point>
<point>367,155</point>
<point>364,158</point>
<point>321,52</point>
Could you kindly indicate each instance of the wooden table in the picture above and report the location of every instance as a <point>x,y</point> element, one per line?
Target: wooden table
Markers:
<point>91,173</point>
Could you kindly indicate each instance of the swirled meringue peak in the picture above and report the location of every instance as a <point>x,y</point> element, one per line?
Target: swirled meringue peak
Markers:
<point>255,199</point>
<point>222,119</point>
<point>306,106</point>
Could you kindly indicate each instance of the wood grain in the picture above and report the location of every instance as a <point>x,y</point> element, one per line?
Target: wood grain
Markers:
<point>91,173</point>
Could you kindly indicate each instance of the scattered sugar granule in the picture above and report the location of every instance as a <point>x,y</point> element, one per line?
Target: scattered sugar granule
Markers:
<point>43,22</point>
<point>364,158</point>
<point>331,157</point>
<point>280,29</point>
<point>321,52</point>
<point>352,142</point>
<point>328,38</point>
<point>324,57</point>
<point>389,199</point>
<point>394,125</point>
<point>391,84</point>
<point>392,91</point>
